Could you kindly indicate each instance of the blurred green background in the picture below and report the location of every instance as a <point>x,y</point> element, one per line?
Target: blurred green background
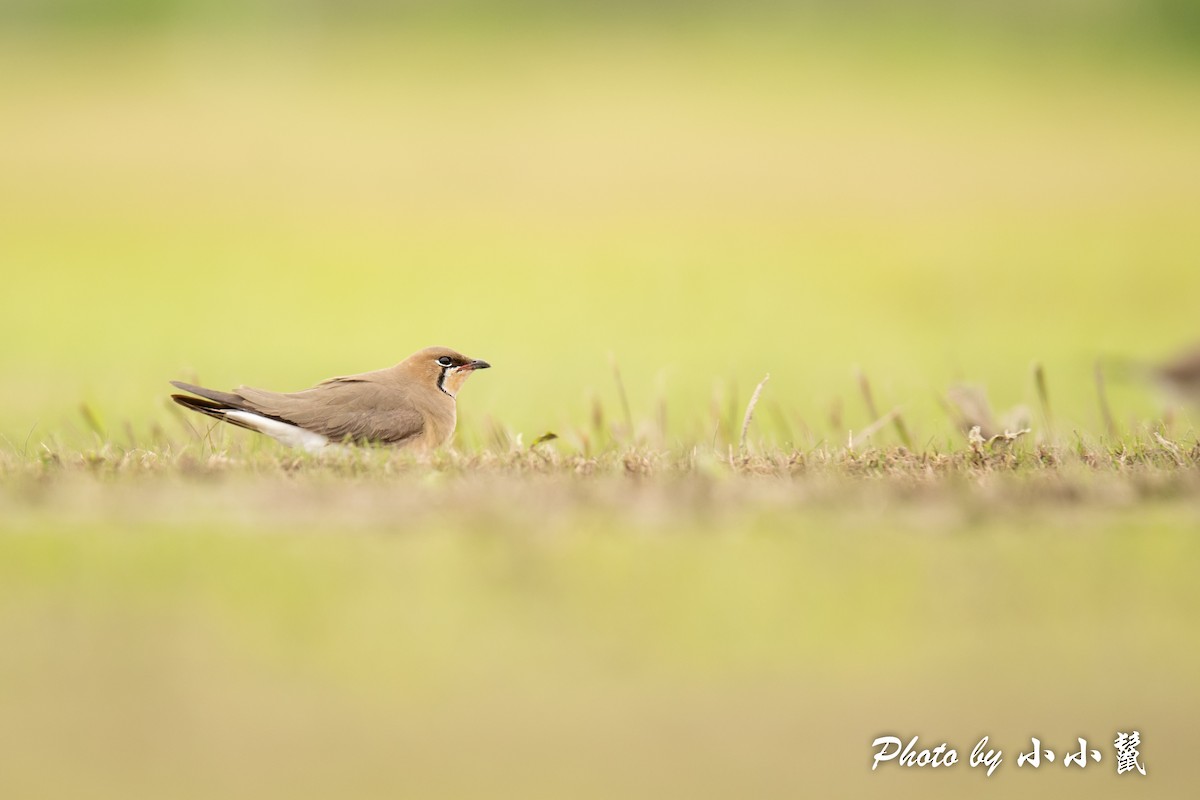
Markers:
<point>274,193</point>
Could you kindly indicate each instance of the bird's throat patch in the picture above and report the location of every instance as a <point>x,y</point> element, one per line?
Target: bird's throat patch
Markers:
<point>441,382</point>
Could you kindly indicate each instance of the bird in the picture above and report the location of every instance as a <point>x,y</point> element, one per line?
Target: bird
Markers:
<point>1181,375</point>
<point>412,404</point>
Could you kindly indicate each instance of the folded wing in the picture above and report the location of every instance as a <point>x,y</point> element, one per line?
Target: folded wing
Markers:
<point>345,409</point>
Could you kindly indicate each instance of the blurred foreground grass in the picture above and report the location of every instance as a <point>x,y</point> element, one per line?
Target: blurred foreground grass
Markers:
<point>239,624</point>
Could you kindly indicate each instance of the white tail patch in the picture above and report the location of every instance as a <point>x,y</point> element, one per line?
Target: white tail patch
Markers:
<point>284,432</point>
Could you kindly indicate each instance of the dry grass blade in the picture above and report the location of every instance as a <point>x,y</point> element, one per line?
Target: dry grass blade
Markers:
<point>864,386</point>
<point>1039,381</point>
<point>835,414</point>
<point>1007,438</point>
<point>1173,449</point>
<point>91,420</point>
<point>893,416</point>
<point>874,428</point>
<point>901,429</point>
<point>750,410</point>
<point>968,406</point>
<point>1102,395</point>
<point>623,397</point>
<point>975,439</point>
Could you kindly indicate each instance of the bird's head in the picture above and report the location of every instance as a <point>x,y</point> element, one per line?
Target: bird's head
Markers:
<point>443,368</point>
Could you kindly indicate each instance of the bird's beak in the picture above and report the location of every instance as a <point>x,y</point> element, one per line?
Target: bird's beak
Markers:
<point>476,364</point>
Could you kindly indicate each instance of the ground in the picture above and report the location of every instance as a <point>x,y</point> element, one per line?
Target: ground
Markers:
<point>252,623</point>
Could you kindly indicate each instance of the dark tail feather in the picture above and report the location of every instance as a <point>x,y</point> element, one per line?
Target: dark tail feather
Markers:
<point>224,398</point>
<point>209,407</point>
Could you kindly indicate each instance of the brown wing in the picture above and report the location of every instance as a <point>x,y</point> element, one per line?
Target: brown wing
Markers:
<point>343,409</point>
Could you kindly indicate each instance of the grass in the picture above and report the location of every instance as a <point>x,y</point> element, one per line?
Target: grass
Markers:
<point>694,587</point>
<point>595,614</point>
<point>241,621</point>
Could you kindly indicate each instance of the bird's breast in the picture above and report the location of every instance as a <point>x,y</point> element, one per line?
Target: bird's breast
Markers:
<point>440,420</point>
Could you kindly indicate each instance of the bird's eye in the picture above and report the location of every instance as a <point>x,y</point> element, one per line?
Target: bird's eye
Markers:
<point>445,361</point>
